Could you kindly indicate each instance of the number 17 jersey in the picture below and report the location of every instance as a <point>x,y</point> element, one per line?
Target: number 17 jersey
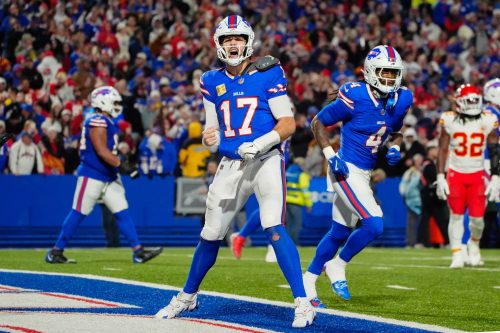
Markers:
<point>242,104</point>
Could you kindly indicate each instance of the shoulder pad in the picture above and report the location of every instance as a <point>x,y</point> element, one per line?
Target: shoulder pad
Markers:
<point>265,63</point>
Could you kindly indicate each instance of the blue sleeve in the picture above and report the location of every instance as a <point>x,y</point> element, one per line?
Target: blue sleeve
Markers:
<point>405,100</point>
<point>276,82</point>
<point>204,88</point>
<point>339,110</point>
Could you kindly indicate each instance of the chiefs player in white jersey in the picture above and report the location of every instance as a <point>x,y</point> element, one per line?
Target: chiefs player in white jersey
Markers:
<point>464,136</point>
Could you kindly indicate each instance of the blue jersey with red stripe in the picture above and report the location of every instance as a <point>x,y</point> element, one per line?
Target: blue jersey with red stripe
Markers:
<point>242,104</point>
<point>91,165</point>
<point>367,121</point>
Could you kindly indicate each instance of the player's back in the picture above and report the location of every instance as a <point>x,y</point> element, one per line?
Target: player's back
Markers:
<point>242,104</point>
<point>370,122</point>
<point>91,165</point>
<point>467,139</point>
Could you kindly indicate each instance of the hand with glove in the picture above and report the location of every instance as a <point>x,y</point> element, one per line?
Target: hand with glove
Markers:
<point>249,150</point>
<point>337,165</point>
<point>131,170</point>
<point>493,189</point>
<point>393,155</point>
<point>442,188</point>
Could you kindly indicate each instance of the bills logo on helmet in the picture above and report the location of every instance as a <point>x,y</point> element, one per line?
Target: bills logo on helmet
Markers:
<point>373,54</point>
<point>103,91</point>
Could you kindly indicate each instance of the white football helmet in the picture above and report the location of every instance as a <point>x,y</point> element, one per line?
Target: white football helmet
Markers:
<point>491,92</point>
<point>233,25</point>
<point>107,99</point>
<point>383,57</point>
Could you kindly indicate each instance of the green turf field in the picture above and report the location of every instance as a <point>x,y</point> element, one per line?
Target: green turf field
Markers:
<point>467,299</point>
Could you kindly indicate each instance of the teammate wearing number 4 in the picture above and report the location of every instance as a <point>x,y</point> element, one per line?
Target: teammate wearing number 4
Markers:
<point>464,135</point>
<point>248,115</point>
<point>98,178</point>
<point>370,112</point>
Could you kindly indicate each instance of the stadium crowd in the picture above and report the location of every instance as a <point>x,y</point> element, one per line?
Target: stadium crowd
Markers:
<point>55,52</point>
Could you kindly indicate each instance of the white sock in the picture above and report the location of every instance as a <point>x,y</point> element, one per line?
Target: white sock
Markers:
<point>335,269</point>
<point>455,232</point>
<point>310,284</point>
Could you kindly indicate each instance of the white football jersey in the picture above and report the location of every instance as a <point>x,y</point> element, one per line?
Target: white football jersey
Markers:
<point>467,140</point>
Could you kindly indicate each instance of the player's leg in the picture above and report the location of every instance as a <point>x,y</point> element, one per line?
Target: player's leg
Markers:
<point>476,202</point>
<point>327,248</point>
<point>221,209</point>
<point>456,201</point>
<point>113,196</point>
<point>238,238</point>
<point>356,193</point>
<point>87,192</point>
<point>270,191</point>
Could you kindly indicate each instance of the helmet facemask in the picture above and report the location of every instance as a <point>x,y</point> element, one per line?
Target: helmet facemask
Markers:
<point>469,105</point>
<point>233,26</point>
<point>379,61</point>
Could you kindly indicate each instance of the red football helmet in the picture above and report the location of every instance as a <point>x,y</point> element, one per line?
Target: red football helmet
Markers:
<point>469,100</point>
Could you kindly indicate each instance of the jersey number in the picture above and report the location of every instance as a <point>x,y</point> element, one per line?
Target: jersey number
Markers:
<point>241,102</point>
<point>83,142</point>
<point>375,140</point>
<point>476,141</point>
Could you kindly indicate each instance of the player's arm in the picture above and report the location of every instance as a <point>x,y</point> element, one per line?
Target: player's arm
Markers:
<point>211,133</point>
<point>281,109</point>
<point>443,147</point>
<point>493,148</point>
<point>98,138</point>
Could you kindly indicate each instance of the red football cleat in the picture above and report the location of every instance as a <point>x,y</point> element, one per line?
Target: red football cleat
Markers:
<point>237,243</point>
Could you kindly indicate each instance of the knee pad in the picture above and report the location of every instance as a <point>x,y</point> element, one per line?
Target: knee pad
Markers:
<point>374,225</point>
<point>210,234</point>
<point>339,232</point>
<point>476,227</point>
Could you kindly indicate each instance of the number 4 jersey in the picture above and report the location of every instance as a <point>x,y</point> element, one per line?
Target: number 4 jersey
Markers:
<point>467,140</point>
<point>242,104</point>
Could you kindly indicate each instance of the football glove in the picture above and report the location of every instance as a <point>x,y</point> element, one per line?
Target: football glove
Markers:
<point>393,156</point>
<point>131,171</point>
<point>338,166</point>
<point>248,150</point>
<point>493,190</point>
<point>442,189</point>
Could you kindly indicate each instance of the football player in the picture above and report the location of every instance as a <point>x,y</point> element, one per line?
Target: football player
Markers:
<point>98,178</point>
<point>465,133</point>
<point>371,111</point>
<point>248,115</point>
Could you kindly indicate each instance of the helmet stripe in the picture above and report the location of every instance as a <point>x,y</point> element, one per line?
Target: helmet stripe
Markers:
<point>232,22</point>
<point>391,53</point>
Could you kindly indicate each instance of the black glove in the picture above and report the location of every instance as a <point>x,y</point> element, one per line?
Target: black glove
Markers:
<point>5,137</point>
<point>131,171</point>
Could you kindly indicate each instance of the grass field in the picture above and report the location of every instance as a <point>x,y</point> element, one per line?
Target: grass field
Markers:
<point>412,285</point>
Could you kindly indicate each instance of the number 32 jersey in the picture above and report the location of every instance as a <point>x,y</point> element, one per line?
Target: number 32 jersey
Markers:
<point>367,123</point>
<point>467,140</point>
<point>242,104</point>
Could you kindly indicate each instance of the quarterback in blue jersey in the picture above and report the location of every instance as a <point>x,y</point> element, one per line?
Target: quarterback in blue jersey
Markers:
<point>248,115</point>
<point>98,178</point>
<point>370,111</point>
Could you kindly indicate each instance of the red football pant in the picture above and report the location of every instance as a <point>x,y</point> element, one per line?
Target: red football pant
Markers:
<point>467,190</point>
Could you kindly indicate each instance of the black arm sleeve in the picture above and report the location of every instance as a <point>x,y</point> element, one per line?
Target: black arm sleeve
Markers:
<point>494,158</point>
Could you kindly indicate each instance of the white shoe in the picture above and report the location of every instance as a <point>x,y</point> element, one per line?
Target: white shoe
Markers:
<point>270,255</point>
<point>304,313</point>
<point>457,260</point>
<point>474,254</point>
<point>179,304</point>
<point>465,255</point>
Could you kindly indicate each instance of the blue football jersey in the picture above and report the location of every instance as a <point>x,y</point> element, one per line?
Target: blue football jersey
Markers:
<point>367,123</point>
<point>91,165</point>
<point>242,104</point>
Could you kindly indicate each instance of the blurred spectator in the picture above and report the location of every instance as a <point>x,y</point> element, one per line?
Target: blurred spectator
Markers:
<point>300,140</point>
<point>53,152</point>
<point>25,157</point>
<point>432,206</point>
<point>193,155</point>
<point>409,188</point>
<point>157,156</point>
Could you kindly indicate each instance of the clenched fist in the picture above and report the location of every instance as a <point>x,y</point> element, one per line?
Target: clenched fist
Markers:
<point>211,136</point>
